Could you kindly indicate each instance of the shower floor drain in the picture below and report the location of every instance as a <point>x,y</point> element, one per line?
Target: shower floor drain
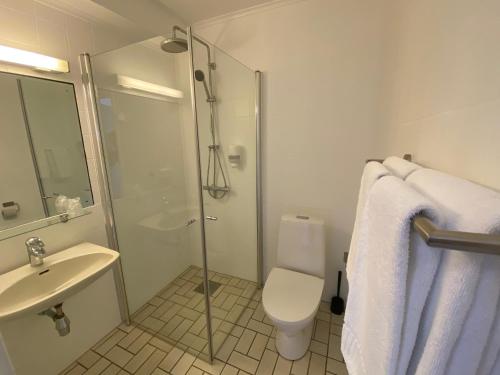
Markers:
<point>212,287</point>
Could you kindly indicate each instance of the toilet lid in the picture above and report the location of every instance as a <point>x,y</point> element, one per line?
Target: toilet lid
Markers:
<point>291,296</point>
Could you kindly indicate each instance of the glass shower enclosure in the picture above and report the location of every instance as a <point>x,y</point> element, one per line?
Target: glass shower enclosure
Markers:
<point>178,144</point>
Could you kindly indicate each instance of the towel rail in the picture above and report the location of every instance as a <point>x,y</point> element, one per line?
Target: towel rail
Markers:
<point>464,241</point>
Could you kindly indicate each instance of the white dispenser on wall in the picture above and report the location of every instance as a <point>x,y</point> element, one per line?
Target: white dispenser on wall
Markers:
<point>235,155</point>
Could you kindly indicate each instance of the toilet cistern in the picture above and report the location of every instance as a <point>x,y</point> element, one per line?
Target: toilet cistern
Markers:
<point>36,251</point>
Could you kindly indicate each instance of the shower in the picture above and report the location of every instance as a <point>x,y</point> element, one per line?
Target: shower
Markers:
<point>210,227</point>
<point>214,166</point>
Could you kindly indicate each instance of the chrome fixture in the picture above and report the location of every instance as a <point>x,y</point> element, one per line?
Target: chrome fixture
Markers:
<point>203,242</point>
<point>174,45</point>
<point>258,182</point>
<point>62,322</point>
<point>213,218</point>
<point>200,77</point>
<point>214,167</point>
<point>36,251</point>
<point>406,157</point>
<point>465,241</point>
<point>179,45</point>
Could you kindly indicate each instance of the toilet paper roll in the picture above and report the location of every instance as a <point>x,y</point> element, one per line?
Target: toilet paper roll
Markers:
<point>10,212</point>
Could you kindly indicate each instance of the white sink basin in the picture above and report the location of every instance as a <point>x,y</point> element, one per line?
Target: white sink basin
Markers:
<point>35,289</point>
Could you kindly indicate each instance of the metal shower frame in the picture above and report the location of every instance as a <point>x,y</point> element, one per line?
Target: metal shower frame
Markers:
<point>103,182</point>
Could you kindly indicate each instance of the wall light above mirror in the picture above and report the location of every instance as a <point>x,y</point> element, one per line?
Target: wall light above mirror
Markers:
<point>32,59</point>
<point>43,166</point>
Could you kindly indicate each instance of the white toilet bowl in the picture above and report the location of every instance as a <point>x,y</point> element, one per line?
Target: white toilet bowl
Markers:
<point>291,300</point>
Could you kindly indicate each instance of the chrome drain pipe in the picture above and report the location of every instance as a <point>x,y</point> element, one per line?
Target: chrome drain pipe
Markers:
<point>62,323</point>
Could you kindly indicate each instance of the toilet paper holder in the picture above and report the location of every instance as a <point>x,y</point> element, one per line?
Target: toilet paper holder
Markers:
<point>10,210</point>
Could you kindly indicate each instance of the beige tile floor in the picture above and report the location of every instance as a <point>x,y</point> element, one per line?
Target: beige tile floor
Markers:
<point>168,336</point>
<point>177,313</point>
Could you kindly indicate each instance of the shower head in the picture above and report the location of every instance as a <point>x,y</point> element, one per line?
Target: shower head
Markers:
<point>200,77</point>
<point>174,45</point>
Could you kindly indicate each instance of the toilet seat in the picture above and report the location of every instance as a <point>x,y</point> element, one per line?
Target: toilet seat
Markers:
<point>291,298</point>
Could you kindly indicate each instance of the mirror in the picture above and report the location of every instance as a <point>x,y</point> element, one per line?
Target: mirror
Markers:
<point>42,159</point>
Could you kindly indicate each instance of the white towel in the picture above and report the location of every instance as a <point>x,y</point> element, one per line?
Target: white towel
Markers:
<point>371,173</point>
<point>473,339</point>
<point>423,264</point>
<point>458,301</point>
<point>496,368</point>
<point>400,167</point>
<point>492,351</point>
<point>375,311</point>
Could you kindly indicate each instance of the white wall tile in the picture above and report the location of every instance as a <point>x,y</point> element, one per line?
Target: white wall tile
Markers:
<point>52,39</point>
<point>26,6</point>
<point>441,87</point>
<point>17,26</point>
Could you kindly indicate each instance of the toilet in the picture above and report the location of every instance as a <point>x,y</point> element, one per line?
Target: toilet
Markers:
<point>292,292</point>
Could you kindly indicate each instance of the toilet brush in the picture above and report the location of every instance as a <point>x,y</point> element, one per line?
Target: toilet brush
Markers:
<point>337,306</point>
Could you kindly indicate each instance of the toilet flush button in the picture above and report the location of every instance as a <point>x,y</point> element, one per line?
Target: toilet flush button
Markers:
<point>302,217</point>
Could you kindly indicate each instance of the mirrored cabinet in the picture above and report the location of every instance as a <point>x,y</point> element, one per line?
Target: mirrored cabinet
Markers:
<point>42,158</point>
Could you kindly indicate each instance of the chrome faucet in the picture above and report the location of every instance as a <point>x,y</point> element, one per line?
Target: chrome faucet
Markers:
<point>36,251</point>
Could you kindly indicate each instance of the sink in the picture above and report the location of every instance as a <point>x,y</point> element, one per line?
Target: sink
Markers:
<point>35,289</point>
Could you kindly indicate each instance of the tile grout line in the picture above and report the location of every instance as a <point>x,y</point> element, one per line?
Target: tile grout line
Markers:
<point>226,328</point>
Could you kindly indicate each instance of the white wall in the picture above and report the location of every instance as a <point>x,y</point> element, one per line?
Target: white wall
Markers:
<point>442,86</point>
<point>33,26</point>
<point>321,61</point>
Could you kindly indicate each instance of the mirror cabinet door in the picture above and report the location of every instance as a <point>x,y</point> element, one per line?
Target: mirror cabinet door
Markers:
<point>42,158</point>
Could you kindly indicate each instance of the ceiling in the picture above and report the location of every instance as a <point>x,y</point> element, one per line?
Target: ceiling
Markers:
<point>117,13</point>
<point>93,12</point>
<point>191,11</point>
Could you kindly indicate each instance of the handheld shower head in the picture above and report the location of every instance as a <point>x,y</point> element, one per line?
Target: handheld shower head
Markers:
<point>200,77</point>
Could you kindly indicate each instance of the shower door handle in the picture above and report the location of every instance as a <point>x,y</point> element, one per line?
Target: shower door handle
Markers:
<point>213,218</point>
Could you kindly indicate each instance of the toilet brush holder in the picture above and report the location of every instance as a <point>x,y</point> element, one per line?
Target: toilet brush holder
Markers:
<point>337,306</point>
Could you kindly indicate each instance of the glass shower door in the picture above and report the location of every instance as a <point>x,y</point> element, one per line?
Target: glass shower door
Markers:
<point>226,123</point>
<point>179,139</point>
<point>144,107</point>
